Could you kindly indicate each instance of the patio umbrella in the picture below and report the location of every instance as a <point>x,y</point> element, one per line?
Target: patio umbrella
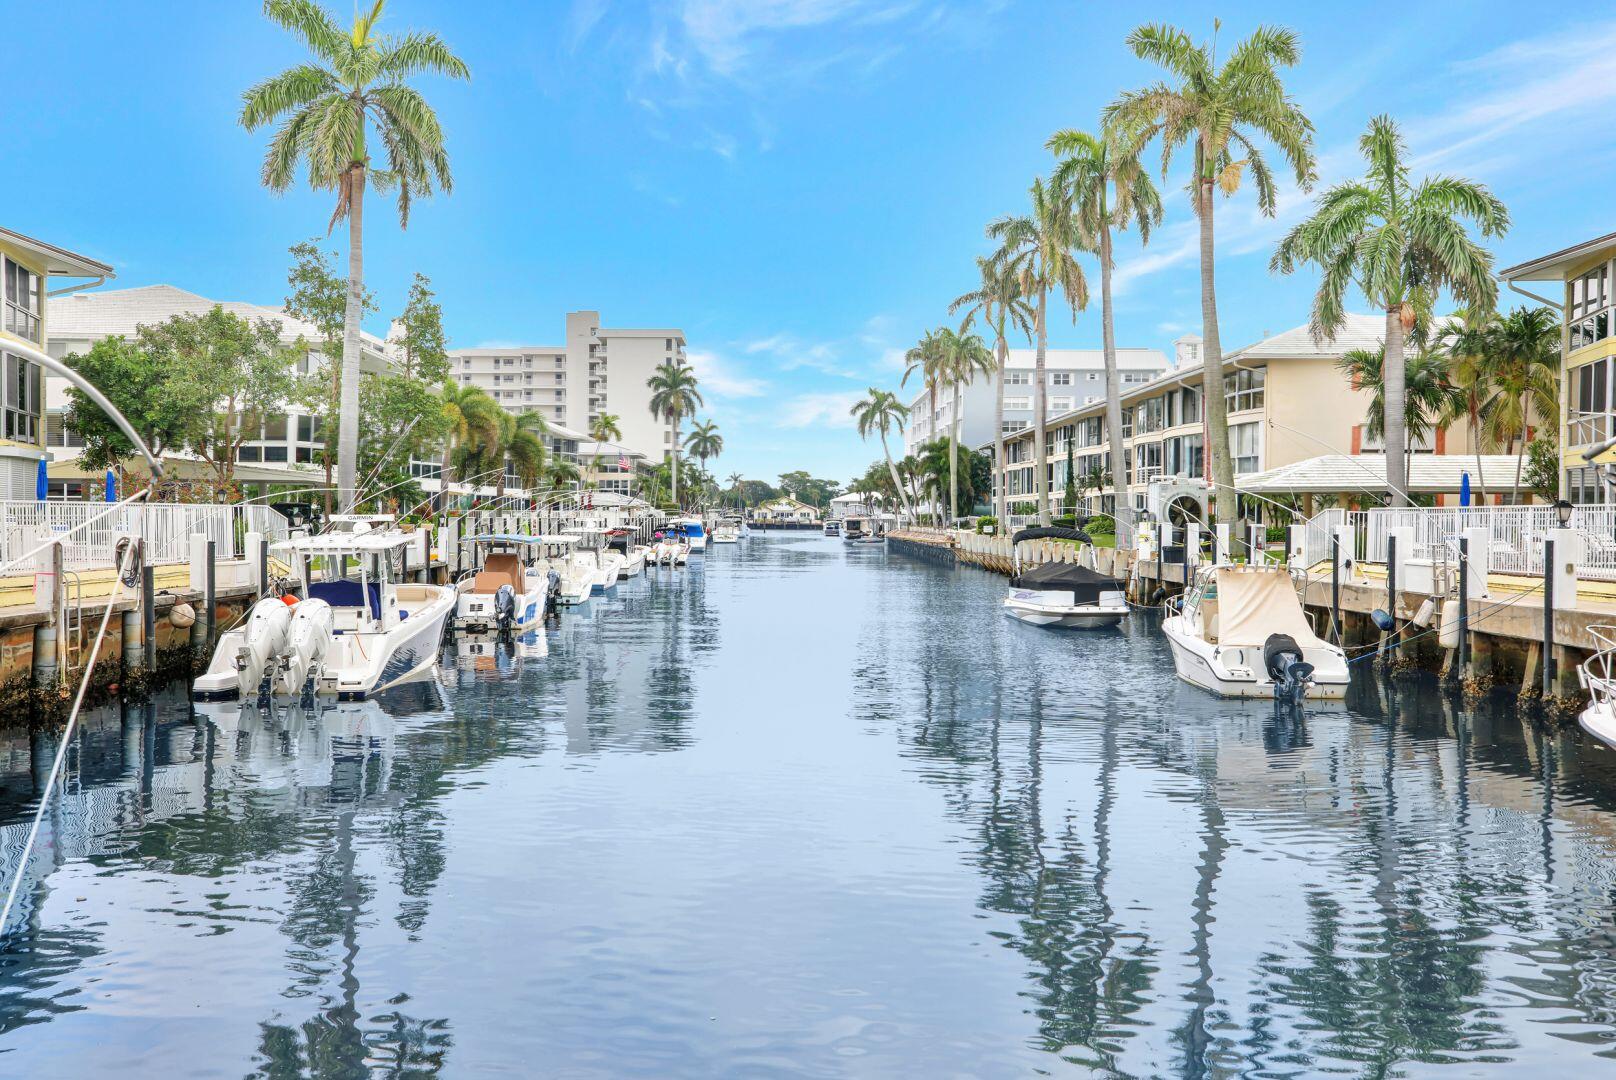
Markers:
<point>112,487</point>
<point>1464,489</point>
<point>42,482</point>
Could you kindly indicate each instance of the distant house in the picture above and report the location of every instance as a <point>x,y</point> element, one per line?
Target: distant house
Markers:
<point>785,510</point>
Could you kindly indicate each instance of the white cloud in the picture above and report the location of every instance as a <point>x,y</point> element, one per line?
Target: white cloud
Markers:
<point>820,410</point>
<point>715,377</point>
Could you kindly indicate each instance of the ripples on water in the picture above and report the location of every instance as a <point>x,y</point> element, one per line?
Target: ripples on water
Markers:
<point>818,811</point>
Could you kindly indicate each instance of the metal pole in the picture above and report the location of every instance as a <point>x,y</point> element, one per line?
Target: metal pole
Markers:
<point>1335,588</point>
<point>263,567</point>
<point>1391,593</point>
<point>1548,618</point>
<point>1464,607</point>
<point>148,617</point>
<point>210,598</point>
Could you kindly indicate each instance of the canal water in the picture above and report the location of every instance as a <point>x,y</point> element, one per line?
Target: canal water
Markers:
<point>808,810</point>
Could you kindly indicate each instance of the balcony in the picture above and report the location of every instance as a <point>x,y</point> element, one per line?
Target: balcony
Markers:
<point>1587,428</point>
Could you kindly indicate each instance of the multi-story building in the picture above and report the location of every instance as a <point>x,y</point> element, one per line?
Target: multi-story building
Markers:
<point>598,370</point>
<point>1584,292</point>
<point>1073,378</point>
<point>1288,401</point>
<point>26,267</point>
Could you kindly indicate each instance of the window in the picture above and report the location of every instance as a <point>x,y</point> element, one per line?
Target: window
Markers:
<point>1094,376</point>
<point>22,404</point>
<point>250,453</point>
<point>1243,447</point>
<point>1017,378</point>
<point>1060,404</point>
<point>1061,378</point>
<point>1012,426</point>
<point>23,301</point>
<point>1590,410</point>
<point>308,428</point>
<point>58,434</point>
<point>1243,389</point>
<point>1589,307</point>
<point>1017,403</point>
<point>1152,415</point>
<point>275,427</point>
<point>1184,456</point>
<point>1586,485</point>
<point>274,453</point>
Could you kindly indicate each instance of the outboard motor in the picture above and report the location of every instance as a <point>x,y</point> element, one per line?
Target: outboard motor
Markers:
<point>505,608</point>
<point>1290,673</point>
<point>552,589</point>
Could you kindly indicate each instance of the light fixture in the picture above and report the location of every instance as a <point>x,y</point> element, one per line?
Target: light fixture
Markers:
<point>1563,510</point>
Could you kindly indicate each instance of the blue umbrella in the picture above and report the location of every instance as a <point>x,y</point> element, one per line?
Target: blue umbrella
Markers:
<point>112,487</point>
<point>42,482</point>
<point>1464,489</point>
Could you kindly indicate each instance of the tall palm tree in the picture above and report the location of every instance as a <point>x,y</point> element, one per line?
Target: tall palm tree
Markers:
<point>1001,305</point>
<point>704,442</point>
<point>1467,341</point>
<point>926,361</point>
<point>1040,249</point>
<point>965,356</point>
<point>1427,391</point>
<point>355,83</point>
<point>1401,244</point>
<point>1525,373</point>
<point>473,419</point>
<point>1219,111</point>
<point>560,473</point>
<point>524,448</point>
<point>879,412</point>
<point>674,395</point>
<point>603,428</point>
<point>1109,189</point>
<point>735,479</point>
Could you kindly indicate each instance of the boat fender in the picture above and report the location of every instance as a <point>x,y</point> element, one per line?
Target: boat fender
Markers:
<point>181,616</point>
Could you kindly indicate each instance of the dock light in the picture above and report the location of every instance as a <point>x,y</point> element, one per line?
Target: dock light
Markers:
<point>1562,510</point>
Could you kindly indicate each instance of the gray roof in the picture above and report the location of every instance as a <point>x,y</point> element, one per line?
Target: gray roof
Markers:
<point>57,260</point>
<point>1428,474</point>
<point>91,316</point>
<point>1358,332</point>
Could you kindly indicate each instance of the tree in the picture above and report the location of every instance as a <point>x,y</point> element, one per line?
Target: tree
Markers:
<point>1219,112</point>
<point>1039,248</point>
<point>881,411</point>
<point>1108,189</point>
<point>1402,245</point>
<point>704,442</point>
<point>1543,466</point>
<point>938,460</point>
<point>400,418</point>
<point>674,395</point>
<point>135,377</point>
<point>964,356</point>
<point>1525,374</point>
<point>423,348</point>
<point>1001,305</point>
<point>525,449</point>
<point>735,486</point>
<point>926,360</point>
<point>805,488</point>
<point>603,428</point>
<point>471,419</point>
<point>1427,392</point>
<point>355,82</point>
<point>1466,340</point>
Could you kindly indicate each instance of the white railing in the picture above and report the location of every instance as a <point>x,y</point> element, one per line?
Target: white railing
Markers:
<point>89,531</point>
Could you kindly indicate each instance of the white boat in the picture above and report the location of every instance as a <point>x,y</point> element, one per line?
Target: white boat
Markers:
<point>670,551</point>
<point>727,532</point>
<point>512,588</point>
<point>1241,632</point>
<point>1598,678</point>
<point>594,559</point>
<point>382,630</point>
<point>1072,595</point>
<point>833,527</point>
<point>634,555</point>
<point>854,528</point>
<point>693,532</point>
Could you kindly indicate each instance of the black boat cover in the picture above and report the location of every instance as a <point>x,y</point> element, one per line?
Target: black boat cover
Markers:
<point>1083,583</point>
<point>1051,532</point>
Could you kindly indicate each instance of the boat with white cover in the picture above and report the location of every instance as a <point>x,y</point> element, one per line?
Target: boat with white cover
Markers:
<point>366,628</point>
<point>1074,595</point>
<point>1241,632</point>
<point>512,588</point>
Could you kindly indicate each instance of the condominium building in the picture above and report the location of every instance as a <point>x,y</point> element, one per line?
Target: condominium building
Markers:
<point>597,370</point>
<point>1073,378</point>
<point>28,317</point>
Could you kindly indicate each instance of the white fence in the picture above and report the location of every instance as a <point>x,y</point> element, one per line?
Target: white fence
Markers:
<point>89,531</point>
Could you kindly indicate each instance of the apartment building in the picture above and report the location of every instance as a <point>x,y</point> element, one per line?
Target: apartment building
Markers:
<point>1073,378</point>
<point>1288,401</point>
<point>26,269</point>
<point>597,370</point>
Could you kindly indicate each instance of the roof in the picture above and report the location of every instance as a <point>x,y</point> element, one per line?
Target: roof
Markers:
<point>117,312</point>
<point>1349,474</point>
<point>1553,266</point>
<point>850,498</point>
<point>508,350</point>
<point>1357,332</point>
<point>59,261</point>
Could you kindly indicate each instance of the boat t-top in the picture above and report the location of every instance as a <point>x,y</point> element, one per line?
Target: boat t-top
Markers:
<point>634,554</point>
<point>1074,595</point>
<point>344,623</point>
<point>593,557</point>
<point>727,531</point>
<point>692,532</point>
<point>1240,631</point>
<point>513,586</point>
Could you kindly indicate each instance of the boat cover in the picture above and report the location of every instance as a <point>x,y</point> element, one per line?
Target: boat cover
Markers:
<point>1085,584</point>
<point>1051,532</point>
<point>1254,603</point>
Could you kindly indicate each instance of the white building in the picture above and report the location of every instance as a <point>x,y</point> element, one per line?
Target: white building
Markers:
<point>1074,378</point>
<point>597,370</point>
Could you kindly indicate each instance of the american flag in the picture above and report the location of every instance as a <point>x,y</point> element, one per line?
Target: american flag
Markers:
<point>622,463</point>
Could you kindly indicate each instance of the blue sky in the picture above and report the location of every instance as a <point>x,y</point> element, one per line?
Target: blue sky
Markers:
<point>800,184</point>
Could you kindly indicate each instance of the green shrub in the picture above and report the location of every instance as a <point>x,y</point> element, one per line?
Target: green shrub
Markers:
<point>1277,534</point>
<point>986,522</point>
<point>1101,525</point>
<point>1065,521</point>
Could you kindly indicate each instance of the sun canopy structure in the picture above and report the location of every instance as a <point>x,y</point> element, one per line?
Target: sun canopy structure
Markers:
<point>1356,474</point>
<point>1255,602</point>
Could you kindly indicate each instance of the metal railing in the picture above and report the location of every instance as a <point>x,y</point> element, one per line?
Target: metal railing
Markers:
<point>90,532</point>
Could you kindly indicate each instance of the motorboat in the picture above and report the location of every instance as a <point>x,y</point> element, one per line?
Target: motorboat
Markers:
<point>594,558</point>
<point>1598,678</point>
<point>854,528</point>
<point>693,532</point>
<point>1066,594</point>
<point>1240,632</point>
<point>669,551</point>
<point>367,628</point>
<point>635,556</point>
<point>833,527</point>
<point>727,531</point>
<point>512,588</point>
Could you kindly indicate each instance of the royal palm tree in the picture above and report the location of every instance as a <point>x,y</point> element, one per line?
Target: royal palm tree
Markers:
<point>603,428</point>
<point>1108,189</point>
<point>1401,244</point>
<point>1040,249</point>
<point>1001,305</point>
<point>1467,341</point>
<point>1220,112</point>
<point>880,412</point>
<point>965,356</point>
<point>473,420</point>
<point>926,361</point>
<point>1524,365</point>
<point>735,479</point>
<point>674,395</point>
<point>1427,395</point>
<point>355,84</point>
<point>704,442</point>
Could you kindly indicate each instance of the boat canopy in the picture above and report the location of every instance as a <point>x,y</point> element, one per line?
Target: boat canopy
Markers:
<point>1254,602</point>
<point>1051,532</point>
<point>1084,583</point>
<point>515,538</point>
<point>346,543</point>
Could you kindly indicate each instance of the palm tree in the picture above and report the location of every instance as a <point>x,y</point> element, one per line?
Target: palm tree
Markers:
<point>1220,111</point>
<point>473,419</point>
<point>735,479</point>
<point>964,358</point>
<point>1525,374</point>
<point>560,473</point>
<point>926,360</point>
<point>354,83</point>
<point>1000,303</point>
<point>880,412</point>
<point>603,428</point>
<point>1468,345</point>
<point>1427,396</point>
<point>1040,248</point>
<point>1401,244</point>
<point>704,442</point>
<point>1108,189</point>
<point>673,395</point>
<point>524,448</point>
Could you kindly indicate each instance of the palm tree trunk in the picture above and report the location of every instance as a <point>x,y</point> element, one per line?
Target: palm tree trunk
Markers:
<point>953,458</point>
<point>675,416</point>
<point>1122,510</point>
<point>1001,473</point>
<point>1394,384</point>
<point>1040,467</point>
<point>897,483</point>
<point>1214,406</point>
<point>931,385</point>
<point>443,476</point>
<point>1475,441</point>
<point>1520,455</point>
<point>348,409</point>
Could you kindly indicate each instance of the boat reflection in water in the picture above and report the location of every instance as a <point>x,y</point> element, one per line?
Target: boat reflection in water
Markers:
<point>503,655</point>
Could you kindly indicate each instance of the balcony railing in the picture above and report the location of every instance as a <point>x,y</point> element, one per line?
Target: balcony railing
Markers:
<point>1586,428</point>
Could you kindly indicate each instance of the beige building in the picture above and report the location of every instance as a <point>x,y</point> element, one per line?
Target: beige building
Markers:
<point>598,370</point>
<point>1287,400</point>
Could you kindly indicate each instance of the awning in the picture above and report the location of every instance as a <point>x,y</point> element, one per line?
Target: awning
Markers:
<point>1357,474</point>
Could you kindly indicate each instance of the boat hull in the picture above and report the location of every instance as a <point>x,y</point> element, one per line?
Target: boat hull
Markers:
<point>1074,617</point>
<point>1599,720</point>
<point>1196,663</point>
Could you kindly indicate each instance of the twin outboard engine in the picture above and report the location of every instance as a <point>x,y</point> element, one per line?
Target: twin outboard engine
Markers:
<point>505,608</point>
<point>1290,673</point>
